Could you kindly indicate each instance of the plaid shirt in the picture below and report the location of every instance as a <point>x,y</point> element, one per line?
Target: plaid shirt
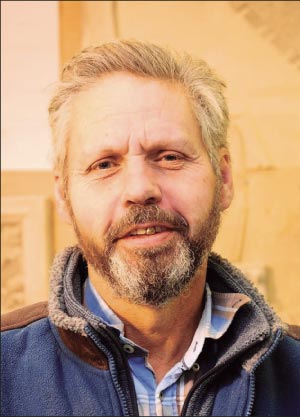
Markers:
<point>167,397</point>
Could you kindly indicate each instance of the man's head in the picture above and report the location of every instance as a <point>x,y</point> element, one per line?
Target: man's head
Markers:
<point>201,85</point>
<point>142,167</point>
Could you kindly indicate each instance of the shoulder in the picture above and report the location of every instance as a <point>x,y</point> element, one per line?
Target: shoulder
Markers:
<point>24,316</point>
<point>287,352</point>
<point>25,333</point>
<point>284,361</point>
<point>277,380</point>
<point>293,331</point>
<point>290,345</point>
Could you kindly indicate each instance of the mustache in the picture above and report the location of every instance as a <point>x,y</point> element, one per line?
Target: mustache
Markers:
<point>139,214</point>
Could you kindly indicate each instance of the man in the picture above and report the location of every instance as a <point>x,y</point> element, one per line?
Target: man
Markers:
<point>143,319</point>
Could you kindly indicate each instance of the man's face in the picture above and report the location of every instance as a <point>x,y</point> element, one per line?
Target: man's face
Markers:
<point>143,197</point>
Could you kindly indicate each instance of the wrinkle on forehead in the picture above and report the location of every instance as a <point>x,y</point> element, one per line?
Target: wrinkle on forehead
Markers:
<point>118,88</point>
<point>121,109</point>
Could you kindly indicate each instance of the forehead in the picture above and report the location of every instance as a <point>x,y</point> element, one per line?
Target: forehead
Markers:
<point>122,102</point>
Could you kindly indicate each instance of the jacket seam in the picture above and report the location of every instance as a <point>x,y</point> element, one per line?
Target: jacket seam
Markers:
<point>65,350</point>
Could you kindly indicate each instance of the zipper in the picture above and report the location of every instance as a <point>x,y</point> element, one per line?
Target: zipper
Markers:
<point>129,404</point>
<point>189,403</point>
<point>204,380</point>
<point>252,376</point>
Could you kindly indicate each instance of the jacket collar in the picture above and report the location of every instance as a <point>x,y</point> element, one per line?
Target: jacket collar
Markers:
<point>256,323</point>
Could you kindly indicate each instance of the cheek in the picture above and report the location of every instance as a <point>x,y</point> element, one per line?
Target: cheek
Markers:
<point>192,198</point>
<point>92,208</point>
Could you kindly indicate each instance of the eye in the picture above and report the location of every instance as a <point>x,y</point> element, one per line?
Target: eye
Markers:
<point>102,165</point>
<point>171,160</point>
<point>170,157</point>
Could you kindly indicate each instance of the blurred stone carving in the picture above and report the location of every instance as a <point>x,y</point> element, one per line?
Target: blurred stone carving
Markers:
<point>258,274</point>
<point>12,294</point>
<point>26,246</point>
<point>277,21</point>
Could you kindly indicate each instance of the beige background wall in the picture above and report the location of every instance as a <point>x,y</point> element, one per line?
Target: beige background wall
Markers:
<point>241,40</point>
<point>29,64</point>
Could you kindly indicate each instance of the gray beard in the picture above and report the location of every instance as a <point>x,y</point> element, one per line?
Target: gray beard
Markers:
<point>152,276</point>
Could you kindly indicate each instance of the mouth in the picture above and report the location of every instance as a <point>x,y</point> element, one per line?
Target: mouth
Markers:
<point>150,230</point>
<point>145,234</point>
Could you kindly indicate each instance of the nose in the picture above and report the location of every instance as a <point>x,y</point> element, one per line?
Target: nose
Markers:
<point>141,184</point>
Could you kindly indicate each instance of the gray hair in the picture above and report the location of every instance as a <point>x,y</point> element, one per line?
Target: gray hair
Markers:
<point>201,84</point>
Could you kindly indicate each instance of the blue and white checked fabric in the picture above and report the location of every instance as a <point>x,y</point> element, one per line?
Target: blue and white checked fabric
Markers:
<point>167,397</point>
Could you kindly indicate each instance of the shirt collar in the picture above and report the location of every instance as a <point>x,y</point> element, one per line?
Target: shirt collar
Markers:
<point>98,306</point>
<point>218,313</point>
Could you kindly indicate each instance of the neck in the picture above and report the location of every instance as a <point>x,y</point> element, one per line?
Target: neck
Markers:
<point>166,331</point>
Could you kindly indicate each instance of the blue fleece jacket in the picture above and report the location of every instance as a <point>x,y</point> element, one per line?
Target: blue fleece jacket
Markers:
<point>63,361</point>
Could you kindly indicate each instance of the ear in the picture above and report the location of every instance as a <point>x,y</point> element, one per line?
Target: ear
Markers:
<point>60,200</point>
<point>227,189</point>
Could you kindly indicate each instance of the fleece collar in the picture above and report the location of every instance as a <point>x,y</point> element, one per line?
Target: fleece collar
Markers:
<point>255,324</point>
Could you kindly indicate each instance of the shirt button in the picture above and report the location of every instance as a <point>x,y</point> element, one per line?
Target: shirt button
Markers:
<point>128,348</point>
<point>196,367</point>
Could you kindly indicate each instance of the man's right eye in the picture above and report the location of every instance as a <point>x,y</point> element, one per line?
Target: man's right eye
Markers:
<point>105,167</point>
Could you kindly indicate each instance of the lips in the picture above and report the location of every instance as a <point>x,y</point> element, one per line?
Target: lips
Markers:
<point>145,230</point>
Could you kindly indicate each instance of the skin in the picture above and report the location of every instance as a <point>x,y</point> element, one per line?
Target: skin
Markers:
<point>136,141</point>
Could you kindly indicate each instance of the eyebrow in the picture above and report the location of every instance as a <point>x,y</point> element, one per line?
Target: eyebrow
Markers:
<point>179,142</point>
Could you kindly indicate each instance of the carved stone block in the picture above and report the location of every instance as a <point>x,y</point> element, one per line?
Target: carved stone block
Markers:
<point>26,247</point>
